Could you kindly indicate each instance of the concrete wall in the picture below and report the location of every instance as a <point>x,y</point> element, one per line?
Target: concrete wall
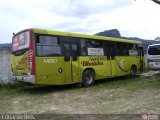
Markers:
<point>5,67</point>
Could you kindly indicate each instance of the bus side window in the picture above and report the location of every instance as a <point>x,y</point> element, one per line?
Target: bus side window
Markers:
<point>74,52</point>
<point>47,46</point>
<point>83,47</point>
<point>66,52</point>
<point>122,49</point>
<point>94,48</point>
<point>133,50</point>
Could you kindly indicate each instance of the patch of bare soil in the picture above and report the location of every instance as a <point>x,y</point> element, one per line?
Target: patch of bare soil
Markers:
<point>150,74</point>
<point>85,101</point>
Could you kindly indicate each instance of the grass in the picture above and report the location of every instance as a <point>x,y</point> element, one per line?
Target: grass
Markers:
<point>110,96</point>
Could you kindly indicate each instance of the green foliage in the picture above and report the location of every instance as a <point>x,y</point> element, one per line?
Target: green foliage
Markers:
<point>11,86</point>
<point>129,84</point>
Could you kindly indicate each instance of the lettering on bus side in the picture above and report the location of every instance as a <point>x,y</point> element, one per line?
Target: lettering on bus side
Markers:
<point>50,61</point>
<point>94,61</point>
<point>97,58</point>
<point>88,63</point>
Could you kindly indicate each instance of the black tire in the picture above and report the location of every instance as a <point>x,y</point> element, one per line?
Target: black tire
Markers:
<point>88,78</point>
<point>133,72</point>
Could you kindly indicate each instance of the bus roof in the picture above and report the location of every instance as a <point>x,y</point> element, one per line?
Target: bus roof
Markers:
<point>53,32</point>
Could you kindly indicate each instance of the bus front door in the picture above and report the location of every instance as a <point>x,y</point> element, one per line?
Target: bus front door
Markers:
<point>71,71</point>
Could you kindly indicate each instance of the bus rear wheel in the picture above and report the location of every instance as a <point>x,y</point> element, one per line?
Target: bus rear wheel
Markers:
<point>133,72</point>
<point>88,78</point>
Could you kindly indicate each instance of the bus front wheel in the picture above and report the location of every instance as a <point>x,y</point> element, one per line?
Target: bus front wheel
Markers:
<point>133,72</point>
<point>88,78</point>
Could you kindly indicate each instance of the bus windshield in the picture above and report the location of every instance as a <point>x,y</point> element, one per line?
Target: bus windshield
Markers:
<point>154,50</point>
<point>20,41</point>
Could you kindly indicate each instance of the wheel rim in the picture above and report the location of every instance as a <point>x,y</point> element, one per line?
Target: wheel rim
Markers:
<point>133,72</point>
<point>89,78</point>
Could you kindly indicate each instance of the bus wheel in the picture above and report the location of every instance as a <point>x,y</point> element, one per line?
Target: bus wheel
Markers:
<point>133,72</point>
<point>88,78</point>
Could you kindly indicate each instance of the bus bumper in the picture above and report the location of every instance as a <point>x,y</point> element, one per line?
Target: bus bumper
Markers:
<point>154,66</point>
<point>26,79</point>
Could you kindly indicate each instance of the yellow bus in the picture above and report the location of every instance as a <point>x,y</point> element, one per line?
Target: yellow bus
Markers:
<point>47,57</point>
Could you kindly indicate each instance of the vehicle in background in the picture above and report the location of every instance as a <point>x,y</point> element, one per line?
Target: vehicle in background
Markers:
<point>153,57</point>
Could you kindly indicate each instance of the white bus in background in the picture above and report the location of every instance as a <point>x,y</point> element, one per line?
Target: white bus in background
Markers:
<point>153,56</point>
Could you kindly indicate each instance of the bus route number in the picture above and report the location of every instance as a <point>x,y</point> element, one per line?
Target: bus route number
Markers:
<point>50,61</point>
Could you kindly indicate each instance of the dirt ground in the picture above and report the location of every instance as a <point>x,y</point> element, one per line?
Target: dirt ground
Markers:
<point>113,96</point>
<point>85,102</point>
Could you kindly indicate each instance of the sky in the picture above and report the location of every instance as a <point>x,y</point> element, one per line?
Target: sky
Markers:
<point>133,18</point>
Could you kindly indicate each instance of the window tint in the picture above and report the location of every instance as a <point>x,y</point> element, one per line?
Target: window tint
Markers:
<point>67,49</point>
<point>133,50</point>
<point>74,48</point>
<point>48,40</point>
<point>95,47</point>
<point>94,44</point>
<point>67,52</point>
<point>127,49</point>
<point>83,47</point>
<point>48,46</point>
<point>154,50</point>
<point>122,49</point>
